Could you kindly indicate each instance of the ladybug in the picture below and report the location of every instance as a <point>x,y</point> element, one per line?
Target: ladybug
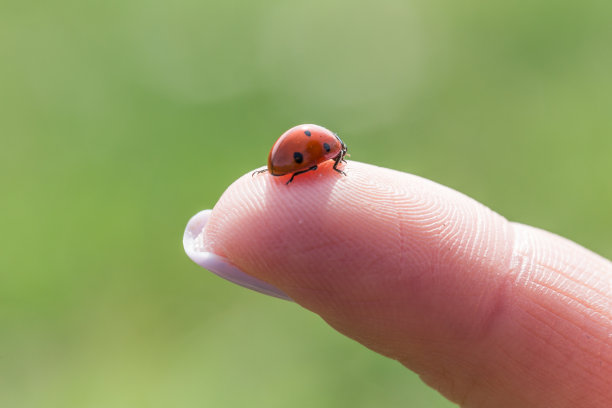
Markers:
<point>302,148</point>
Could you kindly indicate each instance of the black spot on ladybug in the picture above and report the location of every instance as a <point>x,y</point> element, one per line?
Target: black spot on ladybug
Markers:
<point>307,133</point>
<point>297,156</point>
<point>326,146</point>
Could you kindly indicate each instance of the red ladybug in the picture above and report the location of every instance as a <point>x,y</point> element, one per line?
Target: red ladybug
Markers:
<point>302,148</point>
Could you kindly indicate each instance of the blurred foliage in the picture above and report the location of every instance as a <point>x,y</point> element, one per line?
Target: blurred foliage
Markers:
<point>121,119</point>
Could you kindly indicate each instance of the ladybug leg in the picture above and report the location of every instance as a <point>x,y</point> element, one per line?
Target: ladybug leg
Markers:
<point>337,160</point>
<point>258,171</point>
<point>301,172</point>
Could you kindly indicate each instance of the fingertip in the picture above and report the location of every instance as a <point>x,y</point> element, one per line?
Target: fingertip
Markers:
<point>329,232</point>
<point>194,245</point>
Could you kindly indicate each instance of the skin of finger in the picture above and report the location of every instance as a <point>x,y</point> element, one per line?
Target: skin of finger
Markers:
<point>489,312</point>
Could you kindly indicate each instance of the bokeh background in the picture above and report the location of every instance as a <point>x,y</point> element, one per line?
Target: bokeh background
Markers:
<point>121,119</point>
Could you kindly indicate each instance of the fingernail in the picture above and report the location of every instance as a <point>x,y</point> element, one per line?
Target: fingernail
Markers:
<point>193,244</point>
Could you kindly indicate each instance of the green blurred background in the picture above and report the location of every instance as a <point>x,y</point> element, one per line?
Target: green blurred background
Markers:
<point>121,119</point>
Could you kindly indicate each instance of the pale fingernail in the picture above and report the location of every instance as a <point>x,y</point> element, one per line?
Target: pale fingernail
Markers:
<point>194,247</point>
